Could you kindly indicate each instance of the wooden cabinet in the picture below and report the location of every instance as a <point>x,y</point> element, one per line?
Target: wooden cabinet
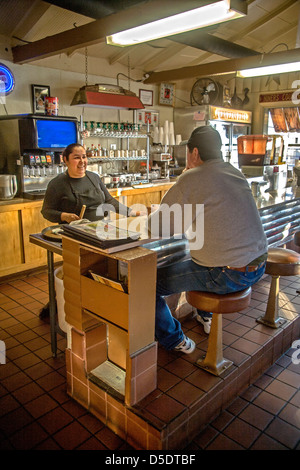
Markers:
<point>11,250</point>
<point>18,219</point>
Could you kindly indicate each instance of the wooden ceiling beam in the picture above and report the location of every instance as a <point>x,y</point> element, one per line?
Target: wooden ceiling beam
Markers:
<point>96,31</point>
<point>224,66</point>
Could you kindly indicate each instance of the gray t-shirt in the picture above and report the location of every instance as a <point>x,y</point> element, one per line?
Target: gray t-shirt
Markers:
<point>226,230</point>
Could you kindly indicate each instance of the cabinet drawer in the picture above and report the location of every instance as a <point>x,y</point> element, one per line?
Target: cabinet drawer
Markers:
<point>106,302</point>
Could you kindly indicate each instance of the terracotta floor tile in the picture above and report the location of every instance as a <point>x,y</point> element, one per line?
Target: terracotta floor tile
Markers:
<point>265,442</point>
<point>256,416</point>
<point>245,346</point>
<point>28,392</point>
<point>40,405</point>
<point>281,390</point>
<point>222,420</point>
<point>166,380</point>
<point>290,413</point>
<point>269,402</point>
<point>241,432</point>
<point>283,432</point>
<point>223,443</point>
<point>165,408</point>
<point>37,413</point>
<point>110,440</point>
<point>180,367</point>
<point>15,420</point>
<point>29,437</point>
<point>290,378</point>
<point>70,437</point>
<point>205,437</point>
<point>55,420</point>
<point>185,393</point>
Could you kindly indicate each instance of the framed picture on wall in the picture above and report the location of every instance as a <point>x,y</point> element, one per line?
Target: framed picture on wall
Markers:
<point>146,97</point>
<point>39,93</point>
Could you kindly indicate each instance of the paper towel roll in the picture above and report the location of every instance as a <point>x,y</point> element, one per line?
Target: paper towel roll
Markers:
<point>178,139</point>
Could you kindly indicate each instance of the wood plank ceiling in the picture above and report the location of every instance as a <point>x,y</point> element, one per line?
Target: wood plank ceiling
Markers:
<point>38,29</point>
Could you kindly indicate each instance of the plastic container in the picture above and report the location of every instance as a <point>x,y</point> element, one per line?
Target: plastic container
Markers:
<point>254,150</point>
<point>51,105</point>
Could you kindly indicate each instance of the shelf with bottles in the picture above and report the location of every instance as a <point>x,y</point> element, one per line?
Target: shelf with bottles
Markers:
<point>123,130</point>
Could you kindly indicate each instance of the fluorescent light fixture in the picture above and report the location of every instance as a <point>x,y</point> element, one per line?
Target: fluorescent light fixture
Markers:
<point>269,70</point>
<point>206,15</point>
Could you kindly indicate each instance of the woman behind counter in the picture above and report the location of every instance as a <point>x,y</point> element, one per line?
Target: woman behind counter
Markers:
<point>69,191</point>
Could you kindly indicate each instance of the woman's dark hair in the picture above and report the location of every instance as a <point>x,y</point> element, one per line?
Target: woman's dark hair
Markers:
<point>70,149</point>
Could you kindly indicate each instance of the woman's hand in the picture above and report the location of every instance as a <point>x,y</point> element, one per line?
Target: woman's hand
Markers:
<point>68,217</point>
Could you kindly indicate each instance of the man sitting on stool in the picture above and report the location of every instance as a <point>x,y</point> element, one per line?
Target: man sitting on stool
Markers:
<point>228,250</point>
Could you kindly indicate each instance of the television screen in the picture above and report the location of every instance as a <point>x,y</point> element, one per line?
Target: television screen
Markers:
<point>55,134</point>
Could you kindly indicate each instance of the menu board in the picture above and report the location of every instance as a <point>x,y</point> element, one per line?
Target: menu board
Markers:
<point>278,119</point>
<point>292,119</point>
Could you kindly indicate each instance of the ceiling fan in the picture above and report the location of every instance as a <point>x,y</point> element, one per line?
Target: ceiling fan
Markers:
<point>205,91</point>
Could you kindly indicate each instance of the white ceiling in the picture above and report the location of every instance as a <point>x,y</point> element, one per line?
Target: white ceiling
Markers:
<point>270,26</point>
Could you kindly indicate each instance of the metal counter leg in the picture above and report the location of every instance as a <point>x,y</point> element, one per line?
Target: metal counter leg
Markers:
<point>52,303</point>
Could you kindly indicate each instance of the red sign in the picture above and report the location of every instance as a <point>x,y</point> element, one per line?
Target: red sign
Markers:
<point>275,97</point>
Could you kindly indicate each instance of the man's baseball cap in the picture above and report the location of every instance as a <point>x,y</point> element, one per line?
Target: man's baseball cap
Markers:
<point>208,142</point>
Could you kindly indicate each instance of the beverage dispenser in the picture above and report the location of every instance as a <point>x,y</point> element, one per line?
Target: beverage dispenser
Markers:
<point>262,155</point>
<point>38,168</point>
<point>31,148</point>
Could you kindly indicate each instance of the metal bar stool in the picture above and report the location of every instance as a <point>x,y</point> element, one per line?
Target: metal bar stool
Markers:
<point>214,362</point>
<point>280,262</point>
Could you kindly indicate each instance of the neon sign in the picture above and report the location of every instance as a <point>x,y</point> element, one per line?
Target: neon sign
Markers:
<point>7,80</point>
<point>233,115</point>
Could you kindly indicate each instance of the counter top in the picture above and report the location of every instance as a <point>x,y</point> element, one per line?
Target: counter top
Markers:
<point>262,201</point>
<point>279,197</point>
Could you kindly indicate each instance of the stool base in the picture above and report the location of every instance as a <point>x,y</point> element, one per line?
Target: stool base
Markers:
<point>215,369</point>
<point>214,362</point>
<point>271,317</point>
<point>276,323</point>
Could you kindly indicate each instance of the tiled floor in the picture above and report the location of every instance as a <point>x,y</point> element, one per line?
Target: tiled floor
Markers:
<point>37,413</point>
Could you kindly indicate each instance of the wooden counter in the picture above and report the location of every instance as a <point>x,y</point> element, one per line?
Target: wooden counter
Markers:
<point>21,217</point>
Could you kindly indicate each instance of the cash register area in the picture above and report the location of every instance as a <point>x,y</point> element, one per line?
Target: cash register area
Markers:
<point>36,412</point>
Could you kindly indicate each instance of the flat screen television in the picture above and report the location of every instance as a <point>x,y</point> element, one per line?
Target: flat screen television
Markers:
<point>55,134</point>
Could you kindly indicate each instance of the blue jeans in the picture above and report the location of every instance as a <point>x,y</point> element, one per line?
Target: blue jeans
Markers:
<point>185,276</point>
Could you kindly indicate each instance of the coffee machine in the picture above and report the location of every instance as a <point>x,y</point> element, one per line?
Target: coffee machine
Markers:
<point>160,162</point>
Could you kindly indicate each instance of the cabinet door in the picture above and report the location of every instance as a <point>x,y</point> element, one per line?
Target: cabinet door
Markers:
<point>11,243</point>
<point>33,222</point>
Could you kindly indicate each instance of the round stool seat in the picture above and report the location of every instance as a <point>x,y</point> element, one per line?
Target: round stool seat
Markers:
<point>214,362</point>
<point>216,303</point>
<point>282,262</point>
